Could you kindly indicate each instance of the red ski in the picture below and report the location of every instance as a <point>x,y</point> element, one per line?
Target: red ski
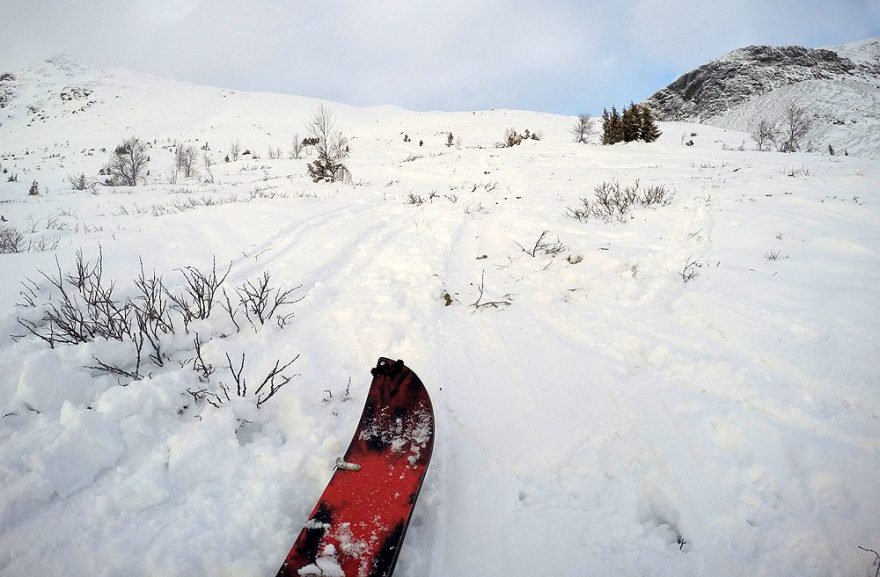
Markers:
<point>358,525</point>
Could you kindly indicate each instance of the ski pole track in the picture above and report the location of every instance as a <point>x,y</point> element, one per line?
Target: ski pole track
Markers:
<point>279,244</point>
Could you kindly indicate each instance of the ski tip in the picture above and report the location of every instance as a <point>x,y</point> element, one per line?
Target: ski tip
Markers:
<point>386,366</point>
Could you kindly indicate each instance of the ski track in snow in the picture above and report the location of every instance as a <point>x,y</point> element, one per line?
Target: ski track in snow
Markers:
<point>612,420</point>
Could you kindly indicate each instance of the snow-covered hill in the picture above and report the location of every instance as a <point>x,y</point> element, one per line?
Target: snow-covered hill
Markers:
<point>839,86</point>
<point>690,389</point>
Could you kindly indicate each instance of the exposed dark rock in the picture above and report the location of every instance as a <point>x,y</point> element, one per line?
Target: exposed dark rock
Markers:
<point>717,86</point>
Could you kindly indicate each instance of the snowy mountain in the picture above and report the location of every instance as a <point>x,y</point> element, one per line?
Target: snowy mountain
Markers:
<point>688,387</point>
<point>839,86</point>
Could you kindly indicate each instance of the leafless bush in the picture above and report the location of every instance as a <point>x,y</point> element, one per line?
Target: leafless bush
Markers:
<point>774,255</point>
<point>611,201</point>
<point>199,292</point>
<point>128,163</point>
<point>583,128</point>
<point>274,152</point>
<point>11,240</point>
<point>275,379</point>
<point>235,150</point>
<point>545,247</point>
<point>764,133</point>
<point>208,162</point>
<point>82,307</point>
<point>260,301</point>
<point>151,314</point>
<point>689,272</point>
<point>185,160</point>
<point>504,301</point>
<point>656,194</point>
<point>296,147</point>
<point>802,171</point>
<point>114,369</point>
<point>86,308</point>
<point>331,147</point>
<point>265,193</point>
<point>796,123</point>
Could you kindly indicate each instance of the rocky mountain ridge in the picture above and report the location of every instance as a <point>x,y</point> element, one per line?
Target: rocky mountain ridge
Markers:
<point>719,85</point>
<point>839,86</point>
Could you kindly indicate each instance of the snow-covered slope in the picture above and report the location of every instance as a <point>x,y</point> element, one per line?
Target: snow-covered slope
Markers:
<point>839,86</point>
<point>605,417</point>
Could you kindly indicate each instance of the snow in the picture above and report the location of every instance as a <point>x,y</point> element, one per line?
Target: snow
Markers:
<point>611,420</point>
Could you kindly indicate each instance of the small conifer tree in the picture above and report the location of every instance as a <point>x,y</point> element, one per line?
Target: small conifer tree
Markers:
<point>612,126</point>
<point>629,124</point>
<point>648,129</point>
<point>606,127</point>
<point>636,123</point>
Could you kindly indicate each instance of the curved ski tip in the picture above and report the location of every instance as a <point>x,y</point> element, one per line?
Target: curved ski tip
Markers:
<point>386,366</point>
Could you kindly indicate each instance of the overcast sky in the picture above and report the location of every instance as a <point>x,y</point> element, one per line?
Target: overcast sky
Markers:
<point>560,56</point>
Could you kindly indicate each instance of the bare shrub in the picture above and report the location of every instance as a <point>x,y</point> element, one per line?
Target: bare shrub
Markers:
<point>331,147</point>
<point>774,255</point>
<point>796,123</point>
<point>611,201</point>
<point>656,194</point>
<point>128,163</point>
<point>689,271</point>
<point>764,133</point>
<point>275,379</point>
<point>504,301</point>
<point>85,308</point>
<point>296,147</point>
<point>260,301</point>
<point>544,246</point>
<point>185,160</point>
<point>11,240</point>
<point>583,128</point>
<point>208,162</point>
<point>199,292</point>
<point>152,314</point>
<point>235,150</point>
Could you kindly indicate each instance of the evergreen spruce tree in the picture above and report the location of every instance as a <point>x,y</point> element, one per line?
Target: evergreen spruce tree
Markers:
<point>612,127</point>
<point>616,126</point>
<point>606,127</point>
<point>630,123</point>
<point>648,129</point>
